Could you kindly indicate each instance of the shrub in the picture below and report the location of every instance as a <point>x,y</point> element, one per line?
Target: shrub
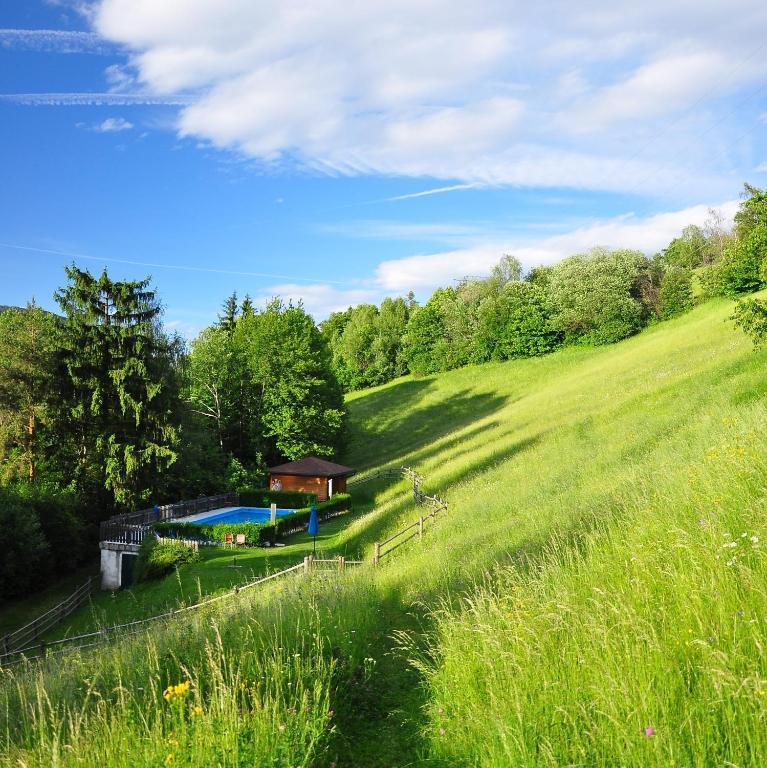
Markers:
<point>156,558</point>
<point>23,564</point>
<point>740,269</point>
<point>676,292</point>
<point>592,296</point>
<point>61,521</point>
<point>751,317</point>
<point>264,497</point>
<point>515,324</point>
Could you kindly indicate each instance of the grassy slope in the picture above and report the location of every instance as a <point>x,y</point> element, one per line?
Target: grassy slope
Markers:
<point>598,486</point>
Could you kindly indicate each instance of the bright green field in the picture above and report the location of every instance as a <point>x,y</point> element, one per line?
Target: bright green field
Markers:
<point>601,573</point>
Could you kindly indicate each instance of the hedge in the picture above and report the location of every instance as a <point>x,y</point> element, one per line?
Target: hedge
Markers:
<point>263,534</point>
<point>156,559</point>
<point>264,497</point>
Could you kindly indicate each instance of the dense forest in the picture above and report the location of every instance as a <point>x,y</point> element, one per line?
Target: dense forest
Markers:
<point>103,410</point>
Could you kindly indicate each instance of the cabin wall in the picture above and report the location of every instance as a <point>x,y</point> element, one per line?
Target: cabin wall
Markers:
<point>318,485</point>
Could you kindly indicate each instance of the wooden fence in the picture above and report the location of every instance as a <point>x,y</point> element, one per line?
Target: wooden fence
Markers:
<point>29,632</point>
<point>417,528</point>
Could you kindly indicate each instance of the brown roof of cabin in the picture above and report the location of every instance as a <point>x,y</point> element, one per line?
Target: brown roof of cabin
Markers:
<point>311,466</point>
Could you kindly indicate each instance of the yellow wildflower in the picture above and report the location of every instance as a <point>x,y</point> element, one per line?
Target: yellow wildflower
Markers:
<point>169,758</point>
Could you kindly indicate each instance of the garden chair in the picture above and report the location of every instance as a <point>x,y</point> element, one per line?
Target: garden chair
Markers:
<point>228,540</point>
<point>240,540</point>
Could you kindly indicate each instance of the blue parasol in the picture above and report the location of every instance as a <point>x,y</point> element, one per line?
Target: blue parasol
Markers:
<point>314,527</point>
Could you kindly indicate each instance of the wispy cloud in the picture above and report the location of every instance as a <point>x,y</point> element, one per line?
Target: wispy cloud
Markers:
<point>88,99</point>
<point>435,191</point>
<point>761,168</point>
<point>113,125</point>
<point>55,41</point>
<point>161,265</point>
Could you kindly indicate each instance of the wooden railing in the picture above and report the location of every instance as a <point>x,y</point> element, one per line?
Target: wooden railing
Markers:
<point>117,631</point>
<point>132,527</point>
<point>416,528</point>
<point>29,632</point>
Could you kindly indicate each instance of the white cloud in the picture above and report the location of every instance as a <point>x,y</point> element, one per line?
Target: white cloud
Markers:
<point>650,234</point>
<point>488,93</point>
<point>761,168</point>
<point>320,299</point>
<point>666,85</point>
<point>54,41</point>
<point>113,125</point>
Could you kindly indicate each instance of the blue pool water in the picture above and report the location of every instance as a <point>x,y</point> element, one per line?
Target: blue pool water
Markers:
<point>242,515</point>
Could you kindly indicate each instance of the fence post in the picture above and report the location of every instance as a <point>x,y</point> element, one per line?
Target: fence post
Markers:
<point>341,562</point>
<point>307,564</point>
<point>420,527</point>
<point>376,553</point>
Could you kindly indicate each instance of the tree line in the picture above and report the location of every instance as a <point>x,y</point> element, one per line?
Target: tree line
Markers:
<point>592,298</point>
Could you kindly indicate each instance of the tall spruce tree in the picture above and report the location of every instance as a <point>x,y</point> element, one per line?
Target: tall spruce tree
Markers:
<point>229,312</point>
<point>121,401</point>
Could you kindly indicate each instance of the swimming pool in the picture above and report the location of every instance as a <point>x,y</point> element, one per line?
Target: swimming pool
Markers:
<point>240,515</point>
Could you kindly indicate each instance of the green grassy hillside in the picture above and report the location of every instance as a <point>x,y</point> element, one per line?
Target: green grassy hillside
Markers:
<point>595,597</point>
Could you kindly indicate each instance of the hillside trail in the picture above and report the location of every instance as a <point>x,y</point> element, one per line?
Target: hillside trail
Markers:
<point>379,717</point>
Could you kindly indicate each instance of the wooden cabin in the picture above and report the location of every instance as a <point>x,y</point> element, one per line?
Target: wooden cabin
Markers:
<point>310,475</point>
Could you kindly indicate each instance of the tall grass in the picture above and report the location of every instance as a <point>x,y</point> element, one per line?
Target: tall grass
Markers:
<point>249,683</point>
<point>638,642</point>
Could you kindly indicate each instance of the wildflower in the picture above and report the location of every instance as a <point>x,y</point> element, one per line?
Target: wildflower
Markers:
<point>197,709</point>
<point>175,691</point>
<point>441,731</point>
<point>281,727</point>
<point>649,731</point>
<point>169,758</point>
<point>754,539</point>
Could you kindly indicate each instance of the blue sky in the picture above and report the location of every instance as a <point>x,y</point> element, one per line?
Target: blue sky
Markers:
<point>339,154</point>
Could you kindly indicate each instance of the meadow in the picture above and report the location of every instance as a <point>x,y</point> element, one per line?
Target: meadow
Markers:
<point>595,596</point>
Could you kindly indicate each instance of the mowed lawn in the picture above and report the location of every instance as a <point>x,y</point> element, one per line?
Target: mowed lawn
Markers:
<point>594,597</point>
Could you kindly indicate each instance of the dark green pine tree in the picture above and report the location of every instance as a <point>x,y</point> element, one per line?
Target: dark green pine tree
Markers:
<point>120,396</point>
<point>228,317</point>
<point>247,307</point>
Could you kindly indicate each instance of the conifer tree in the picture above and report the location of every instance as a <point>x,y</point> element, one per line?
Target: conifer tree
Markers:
<point>247,306</point>
<point>120,399</point>
<point>228,317</point>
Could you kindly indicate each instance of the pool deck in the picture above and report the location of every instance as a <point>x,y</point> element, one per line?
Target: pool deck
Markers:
<point>204,515</point>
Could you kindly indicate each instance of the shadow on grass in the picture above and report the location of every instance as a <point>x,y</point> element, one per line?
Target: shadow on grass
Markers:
<point>380,527</point>
<point>390,422</point>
